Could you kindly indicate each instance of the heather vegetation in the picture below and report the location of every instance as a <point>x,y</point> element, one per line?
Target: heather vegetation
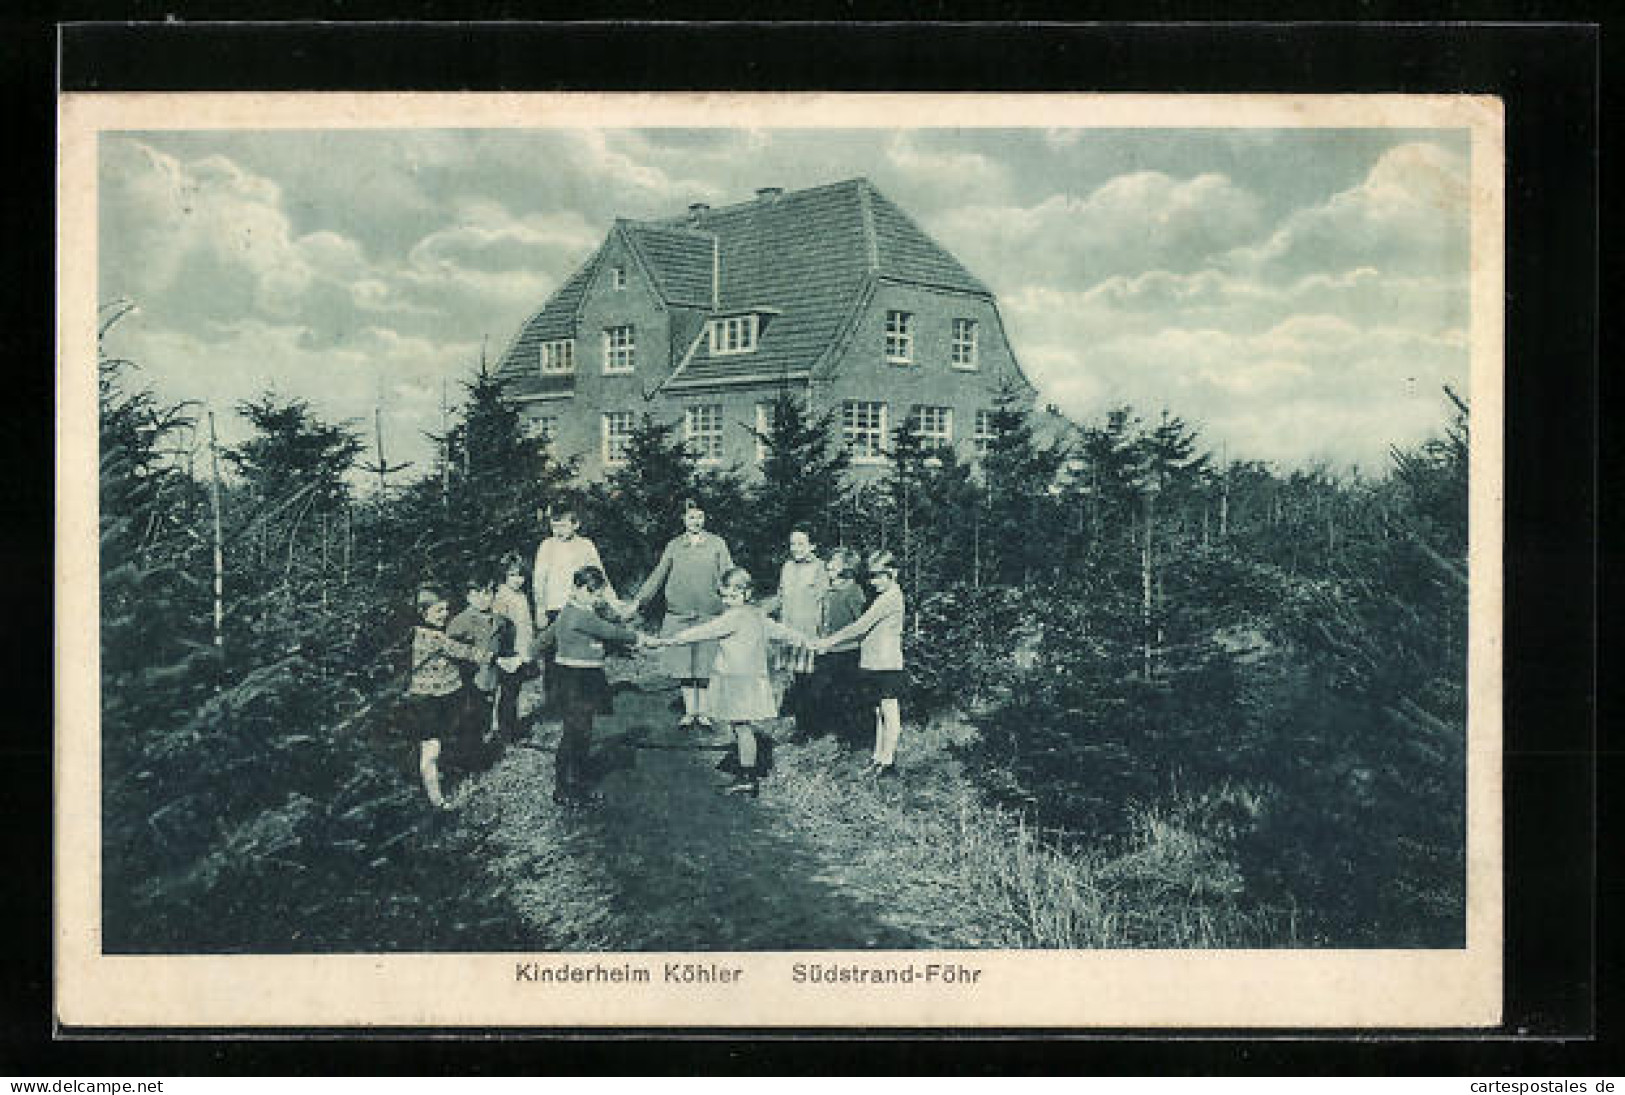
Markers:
<point>1157,699</point>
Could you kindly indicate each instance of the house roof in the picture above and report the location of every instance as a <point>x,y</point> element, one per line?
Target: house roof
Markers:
<point>805,260</point>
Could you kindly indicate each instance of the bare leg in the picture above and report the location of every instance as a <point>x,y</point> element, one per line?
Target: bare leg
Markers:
<point>890,729</point>
<point>429,769</point>
<point>880,734</point>
<point>747,747</point>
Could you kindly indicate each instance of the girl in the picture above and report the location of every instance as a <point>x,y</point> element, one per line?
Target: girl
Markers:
<point>741,693</point>
<point>579,634</point>
<point>798,605</point>
<point>880,658</point>
<point>689,573</point>
<point>436,691</point>
<point>511,604</point>
<point>835,674</point>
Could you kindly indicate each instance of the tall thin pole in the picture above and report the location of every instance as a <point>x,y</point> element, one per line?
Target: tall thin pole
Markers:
<point>378,435</point>
<point>219,541</point>
<point>445,450</point>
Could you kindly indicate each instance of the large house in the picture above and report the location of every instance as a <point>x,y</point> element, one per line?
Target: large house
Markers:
<point>832,293</point>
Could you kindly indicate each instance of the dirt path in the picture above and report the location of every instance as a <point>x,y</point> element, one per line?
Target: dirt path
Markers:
<point>666,862</point>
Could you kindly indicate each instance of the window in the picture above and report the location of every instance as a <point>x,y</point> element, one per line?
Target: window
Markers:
<point>733,334</point>
<point>620,348</point>
<point>559,356</point>
<point>899,337</point>
<point>863,431</point>
<point>766,418</point>
<point>702,429</point>
<point>985,433</point>
<point>617,436</point>
<point>617,277</point>
<point>934,426</point>
<point>544,429</point>
<point>962,347</point>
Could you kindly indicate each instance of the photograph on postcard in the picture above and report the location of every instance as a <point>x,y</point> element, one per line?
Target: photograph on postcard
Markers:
<point>837,536</point>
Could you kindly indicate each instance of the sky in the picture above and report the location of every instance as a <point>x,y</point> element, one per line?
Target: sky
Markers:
<point>1299,295</point>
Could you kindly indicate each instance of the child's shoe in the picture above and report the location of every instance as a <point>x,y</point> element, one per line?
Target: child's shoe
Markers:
<point>743,785</point>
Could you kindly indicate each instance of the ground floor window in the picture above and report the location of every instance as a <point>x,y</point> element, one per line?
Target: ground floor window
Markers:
<point>702,429</point>
<point>985,433</point>
<point>863,430</point>
<point>617,436</point>
<point>933,426</point>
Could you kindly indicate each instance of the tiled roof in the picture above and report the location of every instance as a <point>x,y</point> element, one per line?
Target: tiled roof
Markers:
<point>557,319</point>
<point>679,260</point>
<point>807,259</point>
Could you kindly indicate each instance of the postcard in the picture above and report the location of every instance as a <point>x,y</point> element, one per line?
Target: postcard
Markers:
<point>757,561</point>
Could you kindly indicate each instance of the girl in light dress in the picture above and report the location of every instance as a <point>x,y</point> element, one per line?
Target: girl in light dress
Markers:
<point>880,659</point>
<point>740,692</point>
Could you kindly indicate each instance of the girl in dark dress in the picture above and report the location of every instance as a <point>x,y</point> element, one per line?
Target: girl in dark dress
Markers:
<point>580,635</point>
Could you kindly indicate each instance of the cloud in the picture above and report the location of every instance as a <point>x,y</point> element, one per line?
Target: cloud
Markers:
<point>1129,223</point>
<point>1409,214</point>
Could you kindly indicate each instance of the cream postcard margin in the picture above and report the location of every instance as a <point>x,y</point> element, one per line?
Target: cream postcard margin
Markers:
<point>1059,989</point>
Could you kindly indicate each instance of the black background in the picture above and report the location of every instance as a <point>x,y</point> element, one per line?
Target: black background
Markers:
<point>1560,966</point>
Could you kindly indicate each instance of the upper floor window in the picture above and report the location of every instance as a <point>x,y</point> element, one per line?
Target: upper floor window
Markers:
<point>733,334</point>
<point>617,436</point>
<point>620,349</point>
<point>702,429</point>
<point>984,434</point>
<point>559,356</point>
<point>934,426</point>
<point>617,277</point>
<point>863,431</point>
<point>900,337</point>
<point>962,347</point>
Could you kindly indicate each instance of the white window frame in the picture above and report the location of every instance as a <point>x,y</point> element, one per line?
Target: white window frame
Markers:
<point>706,446</point>
<point>898,336</point>
<point>851,432</point>
<point>558,357</point>
<point>940,437</point>
<point>964,349</point>
<point>734,334</point>
<point>983,435</point>
<point>615,351</point>
<point>764,425</point>
<point>617,278</point>
<point>610,421</point>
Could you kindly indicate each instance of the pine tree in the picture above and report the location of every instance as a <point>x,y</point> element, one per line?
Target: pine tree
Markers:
<point>1023,517</point>
<point>803,479</point>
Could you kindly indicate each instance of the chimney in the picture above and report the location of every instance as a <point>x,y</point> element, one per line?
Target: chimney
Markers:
<point>768,193</point>
<point>697,210</point>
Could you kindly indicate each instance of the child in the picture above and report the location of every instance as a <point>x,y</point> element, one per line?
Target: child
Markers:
<point>880,658</point>
<point>436,691</point>
<point>511,604</point>
<point>477,626</point>
<point>558,559</point>
<point>580,686</point>
<point>741,693</point>
<point>835,673</point>
<point>798,605</point>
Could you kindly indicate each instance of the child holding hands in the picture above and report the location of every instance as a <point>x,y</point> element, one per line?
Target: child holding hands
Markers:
<point>740,692</point>
<point>880,658</point>
<point>579,634</point>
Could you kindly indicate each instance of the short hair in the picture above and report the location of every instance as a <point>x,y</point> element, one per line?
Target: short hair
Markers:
<point>690,504</point>
<point>882,562</point>
<point>803,529</point>
<point>478,582</point>
<point>512,563</point>
<point>738,578</point>
<point>847,560</point>
<point>589,578</point>
<point>563,512</point>
<point>427,599</point>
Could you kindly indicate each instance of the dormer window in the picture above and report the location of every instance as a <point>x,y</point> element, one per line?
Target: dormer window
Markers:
<point>617,278</point>
<point>734,334</point>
